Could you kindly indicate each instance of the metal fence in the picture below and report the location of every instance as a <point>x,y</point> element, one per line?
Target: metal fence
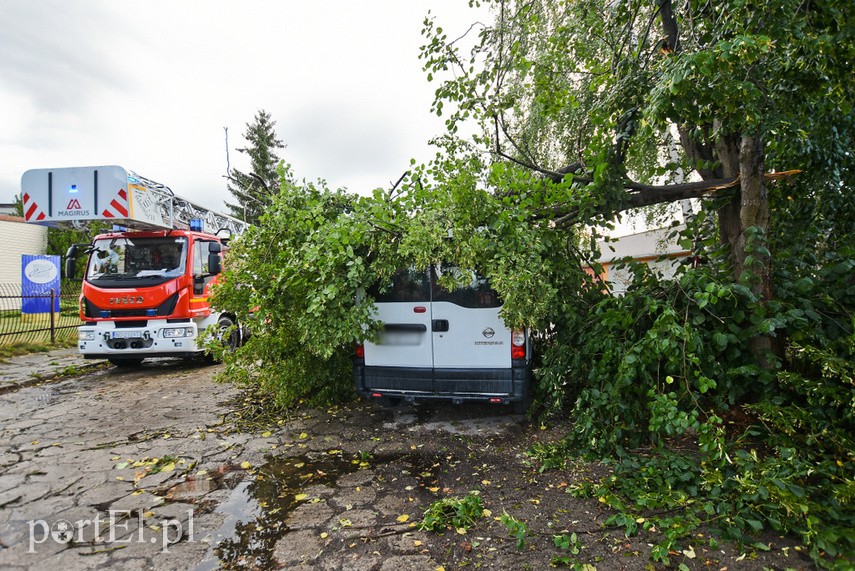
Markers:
<point>18,327</point>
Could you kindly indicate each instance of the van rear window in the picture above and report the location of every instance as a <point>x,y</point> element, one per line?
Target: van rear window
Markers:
<point>415,286</point>
<point>474,294</point>
<point>407,285</point>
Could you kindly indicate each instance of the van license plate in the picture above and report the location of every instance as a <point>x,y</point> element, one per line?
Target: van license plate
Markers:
<point>399,338</point>
<point>126,335</point>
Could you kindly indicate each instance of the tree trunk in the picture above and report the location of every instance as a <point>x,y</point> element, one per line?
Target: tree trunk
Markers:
<point>753,213</point>
<point>748,209</point>
<point>744,223</point>
<point>729,228</point>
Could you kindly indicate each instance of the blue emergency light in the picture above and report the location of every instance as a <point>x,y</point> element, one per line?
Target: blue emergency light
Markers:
<point>73,188</point>
<point>196,224</point>
<point>117,228</point>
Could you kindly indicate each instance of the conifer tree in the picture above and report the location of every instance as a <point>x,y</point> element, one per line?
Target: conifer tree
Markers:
<point>254,190</point>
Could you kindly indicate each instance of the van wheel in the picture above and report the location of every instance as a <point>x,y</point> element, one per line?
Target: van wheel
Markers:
<point>125,363</point>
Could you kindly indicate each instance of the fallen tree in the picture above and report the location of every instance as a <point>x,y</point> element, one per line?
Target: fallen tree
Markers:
<point>759,337</point>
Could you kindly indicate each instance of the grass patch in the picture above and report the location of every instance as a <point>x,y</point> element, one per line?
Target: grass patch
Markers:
<point>28,347</point>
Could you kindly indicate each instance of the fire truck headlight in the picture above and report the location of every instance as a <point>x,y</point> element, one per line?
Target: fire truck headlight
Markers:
<point>86,336</point>
<point>177,332</point>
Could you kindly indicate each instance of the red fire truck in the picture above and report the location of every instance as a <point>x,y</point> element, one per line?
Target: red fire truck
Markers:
<point>147,283</point>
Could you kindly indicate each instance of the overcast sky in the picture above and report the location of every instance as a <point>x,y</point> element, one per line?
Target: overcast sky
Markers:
<point>150,86</point>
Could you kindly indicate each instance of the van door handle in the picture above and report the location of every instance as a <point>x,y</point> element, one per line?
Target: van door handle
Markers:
<point>405,327</point>
<point>439,325</point>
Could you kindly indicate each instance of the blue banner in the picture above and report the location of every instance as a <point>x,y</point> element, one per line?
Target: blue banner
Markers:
<point>39,275</point>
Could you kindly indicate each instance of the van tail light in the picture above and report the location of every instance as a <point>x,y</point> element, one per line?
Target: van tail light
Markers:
<point>360,351</point>
<point>518,344</point>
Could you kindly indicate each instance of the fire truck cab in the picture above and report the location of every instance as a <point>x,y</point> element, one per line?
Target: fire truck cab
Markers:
<point>145,294</point>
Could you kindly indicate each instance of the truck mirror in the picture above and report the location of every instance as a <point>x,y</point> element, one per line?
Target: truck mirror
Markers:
<point>71,261</point>
<point>215,264</point>
<point>70,267</point>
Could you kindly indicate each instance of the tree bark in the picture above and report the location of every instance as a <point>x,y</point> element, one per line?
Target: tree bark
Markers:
<point>729,228</point>
<point>754,214</point>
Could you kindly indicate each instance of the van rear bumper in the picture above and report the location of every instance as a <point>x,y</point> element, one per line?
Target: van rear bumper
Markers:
<point>511,384</point>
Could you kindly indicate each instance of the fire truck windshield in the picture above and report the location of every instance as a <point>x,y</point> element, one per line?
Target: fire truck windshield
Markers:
<point>145,259</point>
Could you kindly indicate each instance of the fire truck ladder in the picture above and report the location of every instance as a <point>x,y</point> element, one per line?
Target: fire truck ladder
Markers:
<point>178,212</point>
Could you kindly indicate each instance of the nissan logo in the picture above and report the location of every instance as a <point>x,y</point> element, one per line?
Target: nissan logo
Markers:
<point>488,332</point>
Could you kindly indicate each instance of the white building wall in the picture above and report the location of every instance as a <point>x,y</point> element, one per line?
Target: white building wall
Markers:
<point>647,247</point>
<point>620,277</point>
<point>16,238</point>
<point>650,243</point>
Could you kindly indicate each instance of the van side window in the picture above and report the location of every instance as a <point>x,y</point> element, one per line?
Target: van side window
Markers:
<point>477,293</point>
<point>406,285</point>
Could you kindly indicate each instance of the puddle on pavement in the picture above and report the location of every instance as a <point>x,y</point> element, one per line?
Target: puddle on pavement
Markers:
<point>466,420</point>
<point>256,509</point>
<point>194,488</point>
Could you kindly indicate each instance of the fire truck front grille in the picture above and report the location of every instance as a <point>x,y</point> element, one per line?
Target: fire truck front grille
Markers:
<point>164,309</point>
<point>127,313</point>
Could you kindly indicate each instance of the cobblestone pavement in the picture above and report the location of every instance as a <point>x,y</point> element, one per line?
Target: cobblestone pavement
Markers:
<point>138,469</point>
<point>24,370</point>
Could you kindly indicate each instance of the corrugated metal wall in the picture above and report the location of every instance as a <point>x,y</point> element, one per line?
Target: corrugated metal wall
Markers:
<point>16,238</point>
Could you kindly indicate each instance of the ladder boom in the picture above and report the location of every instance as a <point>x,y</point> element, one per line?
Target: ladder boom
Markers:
<point>70,196</point>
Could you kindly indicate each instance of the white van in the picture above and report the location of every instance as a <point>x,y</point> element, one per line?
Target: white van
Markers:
<point>443,345</point>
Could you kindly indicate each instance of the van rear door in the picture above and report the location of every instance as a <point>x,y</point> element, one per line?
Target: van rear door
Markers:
<point>405,309</point>
<point>471,344</point>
